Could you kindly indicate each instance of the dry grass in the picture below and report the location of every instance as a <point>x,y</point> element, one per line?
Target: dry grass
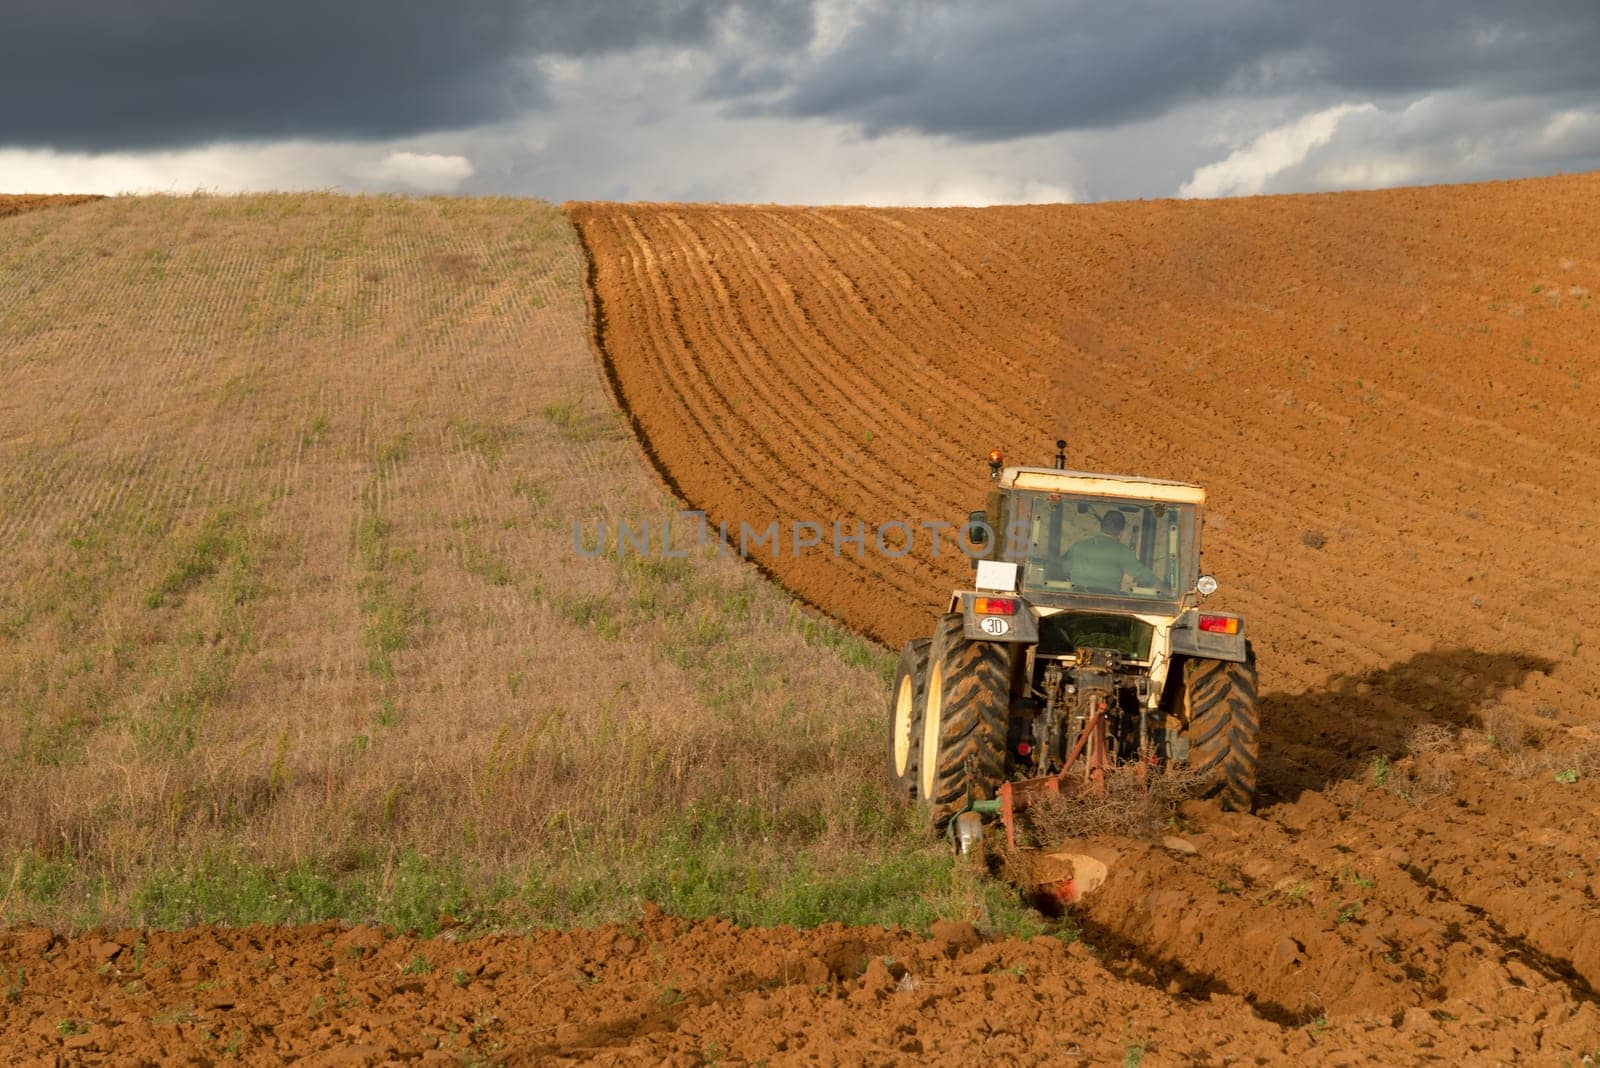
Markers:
<point>1429,738</point>
<point>1505,729</point>
<point>1424,772</point>
<point>1129,809</point>
<point>1507,744</point>
<point>1569,756</point>
<point>290,611</point>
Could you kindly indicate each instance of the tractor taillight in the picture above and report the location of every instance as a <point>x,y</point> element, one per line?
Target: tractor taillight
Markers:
<point>1220,624</point>
<point>1023,749</point>
<point>994,606</point>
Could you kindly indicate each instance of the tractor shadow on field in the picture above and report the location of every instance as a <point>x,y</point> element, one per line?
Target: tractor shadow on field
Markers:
<point>1313,739</point>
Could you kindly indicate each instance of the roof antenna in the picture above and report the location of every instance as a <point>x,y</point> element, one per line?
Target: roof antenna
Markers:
<point>1061,454</point>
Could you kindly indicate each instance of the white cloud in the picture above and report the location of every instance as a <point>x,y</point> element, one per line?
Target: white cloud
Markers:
<point>835,19</point>
<point>1570,134</point>
<point>422,171</point>
<point>234,168</point>
<point>1249,170</point>
<point>636,128</point>
<point>1442,137</point>
<point>959,190</point>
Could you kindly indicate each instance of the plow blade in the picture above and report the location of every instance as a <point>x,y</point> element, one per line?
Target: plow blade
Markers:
<point>1062,876</point>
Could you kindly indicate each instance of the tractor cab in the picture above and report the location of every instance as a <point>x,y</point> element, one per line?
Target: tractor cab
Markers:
<point>1097,560</point>
<point>1092,540</point>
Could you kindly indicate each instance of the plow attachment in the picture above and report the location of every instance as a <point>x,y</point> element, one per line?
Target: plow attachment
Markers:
<point>1059,876</point>
<point>1073,779</point>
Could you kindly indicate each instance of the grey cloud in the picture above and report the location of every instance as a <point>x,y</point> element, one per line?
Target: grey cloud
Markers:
<point>1450,137</point>
<point>925,100</point>
<point>977,70</point>
<point>108,74</point>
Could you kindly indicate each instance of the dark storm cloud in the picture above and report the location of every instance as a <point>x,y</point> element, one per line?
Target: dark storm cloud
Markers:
<point>115,74</point>
<point>981,70</point>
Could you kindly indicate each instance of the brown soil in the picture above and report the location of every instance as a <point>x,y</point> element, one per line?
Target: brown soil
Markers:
<point>16,204</point>
<point>1392,398</point>
<point>664,990</point>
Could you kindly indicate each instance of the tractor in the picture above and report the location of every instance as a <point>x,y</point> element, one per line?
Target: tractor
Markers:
<point>1080,652</point>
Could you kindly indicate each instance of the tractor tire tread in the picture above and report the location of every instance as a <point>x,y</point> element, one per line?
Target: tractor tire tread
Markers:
<point>975,707</point>
<point>1224,727</point>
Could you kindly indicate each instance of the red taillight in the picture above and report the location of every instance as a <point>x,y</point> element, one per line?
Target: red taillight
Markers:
<point>1023,749</point>
<point>993,606</point>
<point>1220,624</point>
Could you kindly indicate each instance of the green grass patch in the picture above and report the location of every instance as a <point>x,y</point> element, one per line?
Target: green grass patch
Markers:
<point>39,880</point>
<point>397,451</point>
<point>562,415</point>
<point>198,557</point>
<point>855,651</point>
<point>488,440</point>
<point>390,620</point>
<point>391,616</point>
<point>531,490</point>
<point>572,423</point>
<point>172,724</point>
<point>907,884</point>
<point>482,563</point>
<point>316,433</point>
<point>409,892</point>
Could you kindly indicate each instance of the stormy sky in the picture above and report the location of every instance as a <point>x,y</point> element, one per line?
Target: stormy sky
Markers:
<point>806,101</point>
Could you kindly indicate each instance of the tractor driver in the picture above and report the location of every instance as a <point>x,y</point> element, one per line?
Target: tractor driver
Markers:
<point>1100,563</point>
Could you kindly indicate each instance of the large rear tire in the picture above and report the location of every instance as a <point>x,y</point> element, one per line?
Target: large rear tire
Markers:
<point>964,713</point>
<point>1224,728</point>
<point>905,711</point>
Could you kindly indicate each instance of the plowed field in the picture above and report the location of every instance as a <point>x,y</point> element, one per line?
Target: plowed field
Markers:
<point>293,627</point>
<point>1392,398</point>
<point>666,991</point>
<point>16,204</point>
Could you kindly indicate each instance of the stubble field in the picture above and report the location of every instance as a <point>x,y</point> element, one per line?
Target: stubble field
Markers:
<point>292,625</point>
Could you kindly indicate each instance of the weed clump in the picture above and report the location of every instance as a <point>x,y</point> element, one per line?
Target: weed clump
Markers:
<point>1129,808</point>
<point>1423,773</point>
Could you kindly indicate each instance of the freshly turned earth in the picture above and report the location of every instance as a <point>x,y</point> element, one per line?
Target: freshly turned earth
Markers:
<point>17,203</point>
<point>664,990</point>
<point>1393,398</point>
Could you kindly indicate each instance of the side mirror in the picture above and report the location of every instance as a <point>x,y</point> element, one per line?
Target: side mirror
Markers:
<point>978,527</point>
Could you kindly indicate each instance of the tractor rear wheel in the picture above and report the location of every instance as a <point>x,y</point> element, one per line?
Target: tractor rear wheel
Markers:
<point>905,706</point>
<point>1224,727</point>
<point>964,713</point>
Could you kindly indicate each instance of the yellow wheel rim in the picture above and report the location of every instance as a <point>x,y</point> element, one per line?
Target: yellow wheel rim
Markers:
<point>902,726</point>
<point>928,773</point>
